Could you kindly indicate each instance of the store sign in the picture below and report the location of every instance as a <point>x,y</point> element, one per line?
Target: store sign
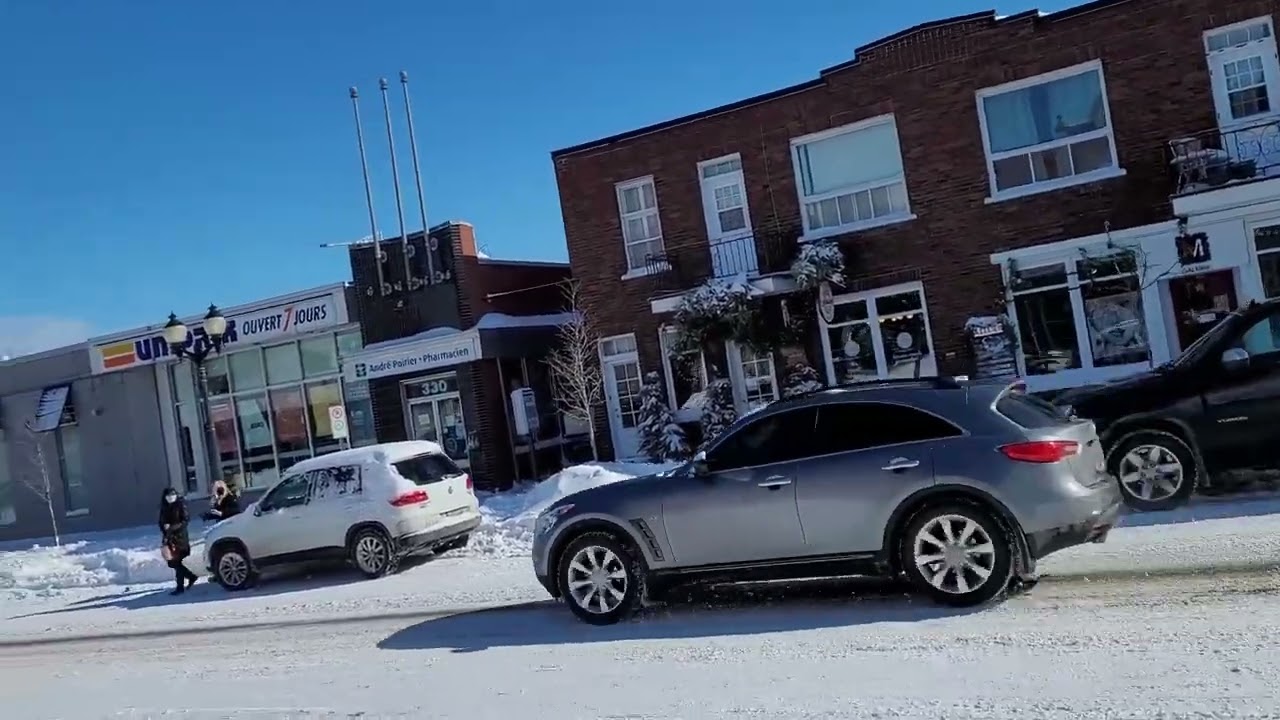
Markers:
<point>246,328</point>
<point>1193,249</point>
<point>418,356</point>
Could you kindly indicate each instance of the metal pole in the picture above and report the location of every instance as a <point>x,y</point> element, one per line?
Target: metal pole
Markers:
<point>368,194</point>
<point>395,179</point>
<point>206,420</point>
<point>417,177</point>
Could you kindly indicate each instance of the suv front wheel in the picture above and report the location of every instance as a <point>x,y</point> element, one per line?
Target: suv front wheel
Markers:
<point>1156,469</point>
<point>600,578</point>
<point>957,555</point>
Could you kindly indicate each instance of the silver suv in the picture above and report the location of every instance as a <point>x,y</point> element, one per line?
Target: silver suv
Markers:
<point>962,487</point>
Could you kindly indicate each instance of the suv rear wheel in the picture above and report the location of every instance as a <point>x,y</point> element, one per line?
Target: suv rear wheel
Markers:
<point>372,552</point>
<point>600,578</point>
<point>957,554</point>
<point>1156,469</point>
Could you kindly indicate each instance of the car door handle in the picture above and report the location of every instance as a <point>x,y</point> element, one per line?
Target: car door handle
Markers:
<point>775,482</point>
<point>900,463</point>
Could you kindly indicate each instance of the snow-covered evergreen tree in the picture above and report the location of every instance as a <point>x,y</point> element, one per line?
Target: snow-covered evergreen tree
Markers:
<point>719,412</point>
<point>801,379</point>
<point>661,439</point>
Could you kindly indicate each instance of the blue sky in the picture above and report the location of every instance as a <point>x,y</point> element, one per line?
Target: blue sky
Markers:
<point>159,155</point>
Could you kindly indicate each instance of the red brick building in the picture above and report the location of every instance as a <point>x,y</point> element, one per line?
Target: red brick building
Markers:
<point>441,358</point>
<point>961,166</point>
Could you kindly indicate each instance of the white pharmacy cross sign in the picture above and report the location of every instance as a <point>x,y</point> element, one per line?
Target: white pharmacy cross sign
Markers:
<point>338,422</point>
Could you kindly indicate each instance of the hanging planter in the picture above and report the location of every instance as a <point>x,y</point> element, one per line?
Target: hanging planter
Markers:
<point>716,311</point>
<point>818,262</point>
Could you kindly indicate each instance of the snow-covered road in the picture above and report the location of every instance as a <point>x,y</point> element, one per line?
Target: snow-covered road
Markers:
<point>1178,615</point>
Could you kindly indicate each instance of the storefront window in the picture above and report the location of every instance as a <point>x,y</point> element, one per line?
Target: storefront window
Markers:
<point>8,514</point>
<point>1105,292</point>
<point>71,467</point>
<point>319,356</point>
<point>283,364</point>
<point>881,333</point>
<point>265,417</point>
<point>246,370</point>
<point>349,343</point>
<point>320,397</point>
<point>359,414</point>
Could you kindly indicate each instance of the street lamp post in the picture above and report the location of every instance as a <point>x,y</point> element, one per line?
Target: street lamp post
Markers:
<point>182,345</point>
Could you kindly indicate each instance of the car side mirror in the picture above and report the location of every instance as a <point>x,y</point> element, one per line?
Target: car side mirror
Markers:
<point>700,467</point>
<point>257,510</point>
<point>1235,359</point>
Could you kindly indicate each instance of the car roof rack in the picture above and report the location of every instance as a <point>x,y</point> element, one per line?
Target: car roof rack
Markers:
<point>936,382</point>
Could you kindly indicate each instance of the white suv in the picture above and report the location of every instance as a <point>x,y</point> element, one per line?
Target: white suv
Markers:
<point>371,505</point>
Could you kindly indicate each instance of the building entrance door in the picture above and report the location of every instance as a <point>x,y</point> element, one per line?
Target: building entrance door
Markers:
<point>1199,302</point>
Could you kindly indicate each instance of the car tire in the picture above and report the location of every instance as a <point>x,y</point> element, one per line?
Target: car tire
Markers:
<point>1140,457</point>
<point>373,553</point>
<point>233,568</point>
<point>957,555</point>
<point>614,571</point>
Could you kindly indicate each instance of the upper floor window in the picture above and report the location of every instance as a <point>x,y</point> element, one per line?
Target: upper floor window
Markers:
<point>641,229</point>
<point>1047,132</point>
<point>1244,71</point>
<point>850,177</point>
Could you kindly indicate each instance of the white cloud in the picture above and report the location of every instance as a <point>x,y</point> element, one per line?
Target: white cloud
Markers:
<point>26,334</point>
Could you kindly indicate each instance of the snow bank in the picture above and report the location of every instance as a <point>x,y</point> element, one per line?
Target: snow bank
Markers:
<point>507,527</point>
<point>122,557</point>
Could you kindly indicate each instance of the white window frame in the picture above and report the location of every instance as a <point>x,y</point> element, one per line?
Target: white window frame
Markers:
<point>890,219</point>
<point>738,379</point>
<point>638,183</point>
<point>1067,253</point>
<point>1035,188</point>
<point>669,368</point>
<point>1217,60</point>
<point>618,358</point>
<point>873,319</point>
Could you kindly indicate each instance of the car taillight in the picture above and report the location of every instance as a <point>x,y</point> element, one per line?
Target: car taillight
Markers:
<point>1041,451</point>
<point>413,497</point>
<point>471,486</point>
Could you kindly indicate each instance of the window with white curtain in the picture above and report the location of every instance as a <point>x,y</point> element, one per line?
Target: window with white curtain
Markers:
<point>850,177</point>
<point>1048,131</point>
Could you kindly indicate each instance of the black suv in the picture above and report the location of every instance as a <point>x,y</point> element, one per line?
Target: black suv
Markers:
<point>1215,408</point>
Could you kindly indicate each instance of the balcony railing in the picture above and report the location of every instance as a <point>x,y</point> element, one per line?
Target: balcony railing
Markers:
<point>1215,158</point>
<point>682,267</point>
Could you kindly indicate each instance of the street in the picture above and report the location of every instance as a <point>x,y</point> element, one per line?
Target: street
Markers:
<point>1174,619</point>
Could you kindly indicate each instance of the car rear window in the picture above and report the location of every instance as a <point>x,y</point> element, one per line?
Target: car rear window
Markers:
<point>1029,411</point>
<point>427,469</point>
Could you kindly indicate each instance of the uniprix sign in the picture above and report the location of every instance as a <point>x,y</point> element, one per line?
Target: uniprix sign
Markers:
<point>248,328</point>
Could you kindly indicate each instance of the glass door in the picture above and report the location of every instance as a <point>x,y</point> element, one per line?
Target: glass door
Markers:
<point>440,420</point>
<point>422,421</point>
<point>879,334</point>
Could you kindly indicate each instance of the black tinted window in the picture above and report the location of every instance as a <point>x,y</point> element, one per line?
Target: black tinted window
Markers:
<point>843,427</point>
<point>290,493</point>
<point>774,438</point>
<point>1029,411</point>
<point>427,469</point>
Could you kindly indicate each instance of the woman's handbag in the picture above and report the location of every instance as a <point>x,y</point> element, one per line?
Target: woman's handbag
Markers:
<point>166,552</point>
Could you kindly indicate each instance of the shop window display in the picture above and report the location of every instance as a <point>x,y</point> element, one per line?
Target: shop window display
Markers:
<point>269,408</point>
<point>879,334</point>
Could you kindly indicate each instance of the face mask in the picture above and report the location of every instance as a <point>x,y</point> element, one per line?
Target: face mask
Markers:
<point>170,498</point>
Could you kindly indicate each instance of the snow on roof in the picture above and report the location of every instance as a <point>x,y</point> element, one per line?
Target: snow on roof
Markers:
<point>380,453</point>
<point>495,321</point>
<point>430,334</point>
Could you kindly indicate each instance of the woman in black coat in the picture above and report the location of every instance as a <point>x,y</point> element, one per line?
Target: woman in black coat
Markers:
<point>173,529</point>
<point>225,503</point>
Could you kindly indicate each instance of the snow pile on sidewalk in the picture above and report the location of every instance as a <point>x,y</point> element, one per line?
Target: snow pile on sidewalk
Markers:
<point>128,557</point>
<point>507,528</point>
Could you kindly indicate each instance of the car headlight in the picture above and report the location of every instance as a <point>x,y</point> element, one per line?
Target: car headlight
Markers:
<point>547,520</point>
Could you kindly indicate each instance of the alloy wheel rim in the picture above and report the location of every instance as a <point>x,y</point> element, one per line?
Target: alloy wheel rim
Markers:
<point>1151,472</point>
<point>597,579</point>
<point>232,568</point>
<point>954,553</point>
<point>371,553</point>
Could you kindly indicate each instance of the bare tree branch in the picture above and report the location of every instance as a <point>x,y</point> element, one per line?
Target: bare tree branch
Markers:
<point>38,482</point>
<point>575,365</point>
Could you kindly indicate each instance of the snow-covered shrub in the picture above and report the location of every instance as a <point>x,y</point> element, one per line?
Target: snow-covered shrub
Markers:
<point>719,412</point>
<point>661,439</point>
<point>818,262</point>
<point>715,311</point>
<point>801,379</point>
